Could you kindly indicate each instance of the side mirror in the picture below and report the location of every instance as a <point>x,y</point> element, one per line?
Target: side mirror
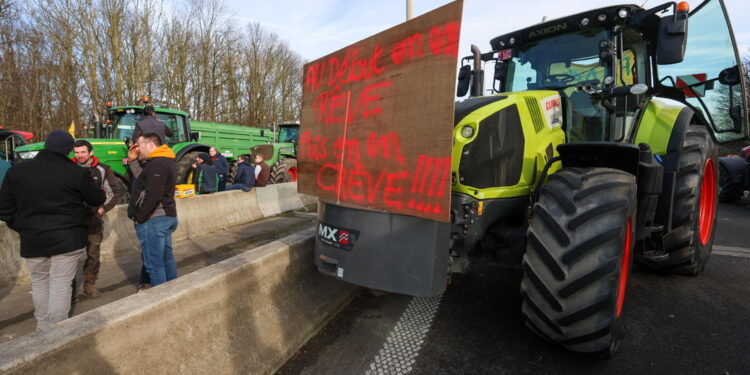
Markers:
<point>195,136</point>
<point>730,76</point>
<point>500,71</point>
<point>464,79</point>
<point>126,139</point>
<point>672,39</point>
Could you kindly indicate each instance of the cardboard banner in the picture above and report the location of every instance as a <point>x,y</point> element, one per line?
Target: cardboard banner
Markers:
<point>377,119</point>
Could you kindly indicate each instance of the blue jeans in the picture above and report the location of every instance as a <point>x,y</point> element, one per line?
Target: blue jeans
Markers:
<point>155,236</point>
<point>222,183</point>
<point>239,187</point>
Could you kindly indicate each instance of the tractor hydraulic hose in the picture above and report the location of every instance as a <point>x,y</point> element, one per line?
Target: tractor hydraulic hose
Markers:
<point>535,196</point>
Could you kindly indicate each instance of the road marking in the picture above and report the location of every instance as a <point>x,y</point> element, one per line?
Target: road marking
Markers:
<point>731,251</point>
<point>403,344</point>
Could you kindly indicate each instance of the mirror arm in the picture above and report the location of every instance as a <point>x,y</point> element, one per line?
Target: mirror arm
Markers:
<point>638,18</point>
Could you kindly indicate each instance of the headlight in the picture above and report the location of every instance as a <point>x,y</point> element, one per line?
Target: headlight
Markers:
<point>467,131</point>
<point>27,155</point>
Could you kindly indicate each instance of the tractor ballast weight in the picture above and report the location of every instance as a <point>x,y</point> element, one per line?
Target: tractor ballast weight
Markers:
<point>590,155</point>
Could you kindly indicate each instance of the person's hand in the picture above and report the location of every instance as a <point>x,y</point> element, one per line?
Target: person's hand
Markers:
<point>100,211</point>
<point>195,165</point>
<point>133,152</point>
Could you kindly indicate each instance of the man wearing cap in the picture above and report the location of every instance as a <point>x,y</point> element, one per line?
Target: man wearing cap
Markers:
<point>205,176</point>
<point>46,200</point>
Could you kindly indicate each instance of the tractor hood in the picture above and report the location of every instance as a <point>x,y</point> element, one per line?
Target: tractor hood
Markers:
<point>502,142</point>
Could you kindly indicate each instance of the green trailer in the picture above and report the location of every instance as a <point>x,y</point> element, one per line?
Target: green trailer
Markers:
<point>110,139</point>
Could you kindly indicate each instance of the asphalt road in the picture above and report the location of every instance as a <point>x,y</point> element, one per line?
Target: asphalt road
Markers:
<point>675,324</point>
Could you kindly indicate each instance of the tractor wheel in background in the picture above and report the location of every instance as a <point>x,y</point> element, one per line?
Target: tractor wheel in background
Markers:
<point>729,192</point>
<point>284,170</point>
<point>232,172</point>
<point>185,167</point>
<point>694,207</point>
<point>578,257</point>
<point>123,186</point>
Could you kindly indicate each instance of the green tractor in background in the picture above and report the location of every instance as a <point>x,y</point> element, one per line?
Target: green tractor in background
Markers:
<point>110,139</point>
<point>595,149</point>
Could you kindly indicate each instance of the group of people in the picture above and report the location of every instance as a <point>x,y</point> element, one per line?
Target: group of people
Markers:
<point>211,172</point>
<point>57,206</point>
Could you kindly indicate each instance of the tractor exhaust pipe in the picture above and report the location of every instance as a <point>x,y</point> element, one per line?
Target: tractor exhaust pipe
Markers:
<point>477,86</point>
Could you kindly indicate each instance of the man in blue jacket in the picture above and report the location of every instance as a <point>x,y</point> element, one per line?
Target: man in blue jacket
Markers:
<point>244,178</point>
<point>222,167</point>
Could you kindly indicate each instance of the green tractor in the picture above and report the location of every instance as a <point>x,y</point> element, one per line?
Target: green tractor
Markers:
<point>281,154</point>
<point>190,137</point>
<point>595,148</point>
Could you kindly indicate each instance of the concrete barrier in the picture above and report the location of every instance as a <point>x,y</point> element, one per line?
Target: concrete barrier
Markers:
<point>245,315</point>
<point>196,215</point>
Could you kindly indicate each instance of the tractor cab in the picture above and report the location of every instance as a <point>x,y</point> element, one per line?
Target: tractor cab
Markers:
<point>608,63</point>
<point>122,120</point>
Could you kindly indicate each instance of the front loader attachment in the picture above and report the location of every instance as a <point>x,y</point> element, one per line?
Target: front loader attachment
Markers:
<point>384,251</point>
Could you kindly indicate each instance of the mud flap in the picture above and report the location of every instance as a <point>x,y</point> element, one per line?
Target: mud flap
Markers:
<point>384,251</point>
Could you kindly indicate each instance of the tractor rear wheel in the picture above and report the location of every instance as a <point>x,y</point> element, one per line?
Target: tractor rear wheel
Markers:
<point>185,167</point>
<point>694,207</point>
<point>284,170</point>
<point>578,257</point>
<point>729,191</point>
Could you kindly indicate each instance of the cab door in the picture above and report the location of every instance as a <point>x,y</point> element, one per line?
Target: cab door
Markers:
<point>711,75</point>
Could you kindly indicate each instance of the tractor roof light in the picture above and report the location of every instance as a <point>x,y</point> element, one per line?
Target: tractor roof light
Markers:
<point>501,44</point>
<point>467,131</point>
<point>638,89</point>
<point>512,40</point>
<point>146,99</point>
<point>108,104</point>
<point>585,21</point>
<point>602,17</point>
<point>683,6</point>
<point>622,13</point>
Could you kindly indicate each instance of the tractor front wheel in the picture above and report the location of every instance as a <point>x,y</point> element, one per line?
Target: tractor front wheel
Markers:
<point>578,257</point>
<point>284,170</point>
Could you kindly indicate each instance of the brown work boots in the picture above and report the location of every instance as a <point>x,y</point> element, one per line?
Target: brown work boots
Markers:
<point>88,287</point>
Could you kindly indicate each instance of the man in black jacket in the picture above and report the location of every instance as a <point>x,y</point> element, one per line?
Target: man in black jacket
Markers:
<point>150,124</point>
<point>45,200</point>
<point>222,167</point>
<point>153,208</point>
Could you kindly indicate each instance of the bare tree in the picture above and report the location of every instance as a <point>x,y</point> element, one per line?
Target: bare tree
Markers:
<point>69,56</point>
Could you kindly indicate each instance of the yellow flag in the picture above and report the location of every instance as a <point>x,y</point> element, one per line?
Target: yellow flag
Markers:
<point>72,129</point>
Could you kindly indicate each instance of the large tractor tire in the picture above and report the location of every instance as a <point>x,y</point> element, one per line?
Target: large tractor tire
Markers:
<point>185,167</point>
<point>694,207</point>
<point>284,170</point>
<point>578,259</point>
<point>729,191</point>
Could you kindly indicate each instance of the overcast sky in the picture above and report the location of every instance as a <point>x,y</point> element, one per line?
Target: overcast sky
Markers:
<point>317,28</point>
